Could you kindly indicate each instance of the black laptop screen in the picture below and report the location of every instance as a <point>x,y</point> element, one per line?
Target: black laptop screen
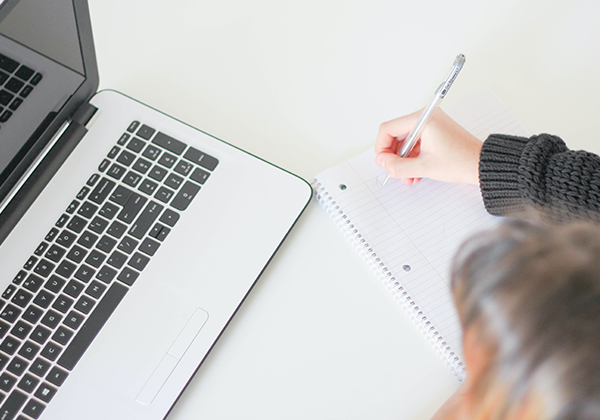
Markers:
<point>41,67</point>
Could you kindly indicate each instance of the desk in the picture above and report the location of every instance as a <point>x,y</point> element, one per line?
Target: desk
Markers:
<point>305,85</point>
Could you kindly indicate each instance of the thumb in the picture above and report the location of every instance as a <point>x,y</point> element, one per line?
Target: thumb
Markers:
<point>398,167</point>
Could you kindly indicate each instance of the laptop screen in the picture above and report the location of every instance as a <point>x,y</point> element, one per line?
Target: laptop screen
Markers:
<point>41,68</point>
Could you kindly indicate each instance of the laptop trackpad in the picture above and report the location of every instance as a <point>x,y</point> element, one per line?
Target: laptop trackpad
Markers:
<point>170,360</point>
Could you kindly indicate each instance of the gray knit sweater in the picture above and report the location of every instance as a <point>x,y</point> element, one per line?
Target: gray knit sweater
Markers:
<point>539,177</point>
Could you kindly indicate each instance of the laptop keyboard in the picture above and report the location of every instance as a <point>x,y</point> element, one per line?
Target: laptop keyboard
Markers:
<point>80,272</point>
<point>16,83</point>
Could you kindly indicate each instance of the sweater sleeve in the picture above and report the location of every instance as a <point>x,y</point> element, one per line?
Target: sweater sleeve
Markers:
<point>539,177</point>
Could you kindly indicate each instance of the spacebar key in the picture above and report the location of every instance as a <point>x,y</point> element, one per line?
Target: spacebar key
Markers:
<point>92,326</point>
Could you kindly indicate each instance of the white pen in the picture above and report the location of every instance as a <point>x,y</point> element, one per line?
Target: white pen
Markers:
<point>415,133</point>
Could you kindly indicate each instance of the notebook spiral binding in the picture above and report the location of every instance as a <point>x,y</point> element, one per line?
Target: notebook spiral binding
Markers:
<point>389,280</point>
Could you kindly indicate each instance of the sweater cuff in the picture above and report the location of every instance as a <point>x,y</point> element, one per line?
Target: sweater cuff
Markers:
<point>498,174</point>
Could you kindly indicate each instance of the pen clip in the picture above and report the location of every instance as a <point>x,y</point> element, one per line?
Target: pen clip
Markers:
<point>456,68</point>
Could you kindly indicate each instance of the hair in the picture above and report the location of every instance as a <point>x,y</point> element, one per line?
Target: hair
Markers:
<point>532,293</point>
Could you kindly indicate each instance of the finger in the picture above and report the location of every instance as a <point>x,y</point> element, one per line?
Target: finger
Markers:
<point>391,131</point>
<point>397,167</point>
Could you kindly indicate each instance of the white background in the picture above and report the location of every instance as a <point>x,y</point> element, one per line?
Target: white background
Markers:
<point>305,84</point>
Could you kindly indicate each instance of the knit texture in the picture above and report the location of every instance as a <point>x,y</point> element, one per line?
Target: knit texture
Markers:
<point>539,177</point>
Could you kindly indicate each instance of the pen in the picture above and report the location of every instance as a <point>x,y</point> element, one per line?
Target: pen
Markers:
<point>441,91</point>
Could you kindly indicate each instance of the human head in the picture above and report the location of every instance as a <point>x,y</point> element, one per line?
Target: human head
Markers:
<point>528,298</point>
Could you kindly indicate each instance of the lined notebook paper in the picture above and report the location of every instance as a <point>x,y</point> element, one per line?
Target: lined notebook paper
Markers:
<point>409,234</point>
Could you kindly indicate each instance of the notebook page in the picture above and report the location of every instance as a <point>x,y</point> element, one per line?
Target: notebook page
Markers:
<point>416,230</point>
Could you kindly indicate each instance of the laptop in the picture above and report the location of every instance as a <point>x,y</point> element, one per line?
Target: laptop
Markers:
<point>128,239</point>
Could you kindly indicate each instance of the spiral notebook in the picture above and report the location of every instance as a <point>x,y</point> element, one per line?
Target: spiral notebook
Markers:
<point>409,235</point>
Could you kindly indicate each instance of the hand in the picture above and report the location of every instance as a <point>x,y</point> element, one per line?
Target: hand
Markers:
<point>446,151</point>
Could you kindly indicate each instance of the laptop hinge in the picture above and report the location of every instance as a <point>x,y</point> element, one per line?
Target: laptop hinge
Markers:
<point>51,159</point>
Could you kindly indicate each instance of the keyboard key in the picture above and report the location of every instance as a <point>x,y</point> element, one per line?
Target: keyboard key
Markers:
<point>138,261</point>
<point>93,179</point>
<point>185,196</point>
<point>121,195</point>
<point>173,181</point>
<point>66,238</point>
<point>17,366</point>
<point>62,334</point>
<point>66,269</point>
<point>77,254</point>
<point>9,345</point>
<point>74,288</point>
<point>3,360</point>
<point>77,224</point>
<point>8,64</point>
<point>106,274</point>
<point>91,327</point>
<point>21,329</point>
<point>98,225</point>
<point>102,190</point>
<point>39,251</point>
<point>83,192</point>
<point>136,145</point>
<point>4,328</point>
<point>21,275</point>
<point>9,291</point>
<point>12,405</point>
<point>87,210</point>
<point>95,258</point>
<point>149,246</point>
<point>22,298</point>
<point>30,263</point>
<point>54,284</point>
<point>28,383</point>
<point>7,382</point>
<point>95,289</point>
<point>85,273</point>
<point>152,152</point>
<point>24,72</point>
<point>36,79</point>
<point>29,350</point>
<point>26,91</point>
<point>51,319</point>
<point>5,116</point>
<point>133,126</point>
<point>32,314</point>
<point>87,239</point>
<point>55,253</point>
<point>57,376</point>
<point>109,210</point>
<point>33,283</point>
<point>51,351</point>
<point>40,334</point>
<point>106,244</point>
<point>116,171</point>
<point>85,304</point>
<point>132,208</point>
<point>128,245</point>
<point>199,176</point>
<point>164,194</point>
<point>132,179</point>
<point>3,77</point>
<point>73,320</point>
<point>169,143</point>
<point>45,392</point>
<point>34,409</point>
<point>40,367</point>
<point>201,158</point>
<point>126,158</point>
<point>117,229</point>
<point>184,168</point>
<point>104,165</point>
<point>14,85</point>
<point>146,132</point>
<point>146,219</point>
<point>158,173</point>
<point>123,139</point>
<point>72,207</point>
<point>142,165</point>
<point>5,97</point>
<point>167,160</point>
<point>43,299</point>
<point>10,313</point>
<point>148,187</point>
<point>117,259</point>
<point>62,304</point>
<point>114,152</point>
<point>169,217</point>
<point>15,104</point>
<point>44,268</point>
<point>128,276</point>
<point>62,221</point>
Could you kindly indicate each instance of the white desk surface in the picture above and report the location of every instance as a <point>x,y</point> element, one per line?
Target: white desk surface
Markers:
<point>305,85</point>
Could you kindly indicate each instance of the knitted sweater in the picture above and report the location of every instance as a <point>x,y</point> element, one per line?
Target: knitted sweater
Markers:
<point>539,177</point>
